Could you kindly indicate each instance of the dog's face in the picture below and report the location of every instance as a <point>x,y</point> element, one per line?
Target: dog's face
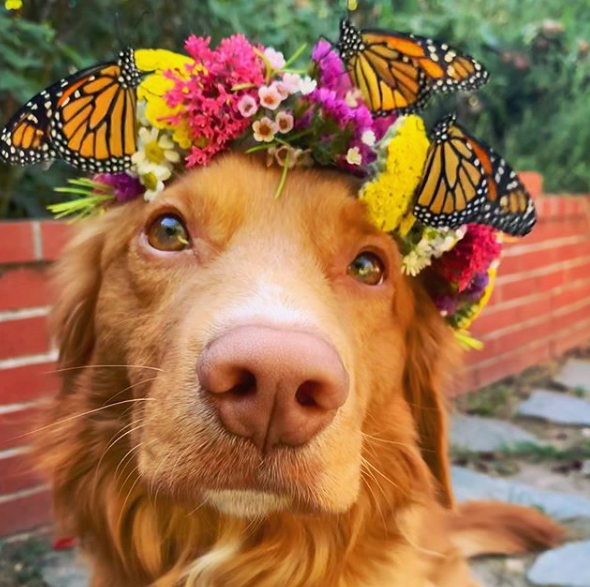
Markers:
<point>266,339</point>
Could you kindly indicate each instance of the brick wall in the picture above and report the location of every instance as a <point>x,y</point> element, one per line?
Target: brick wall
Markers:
<point>540,308</point>
<point>27,358</point>
<point>541,303</point>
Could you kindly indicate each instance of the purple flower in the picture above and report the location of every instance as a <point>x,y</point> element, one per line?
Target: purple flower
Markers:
<point>474,292</point>
<point>125,187</point>
<point>445,303</point>
<point>331,68</point>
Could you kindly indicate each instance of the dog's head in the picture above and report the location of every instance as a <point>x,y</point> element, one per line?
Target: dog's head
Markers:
<point>259,353</point>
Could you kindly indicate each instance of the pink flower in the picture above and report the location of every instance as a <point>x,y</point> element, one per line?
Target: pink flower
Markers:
<point>269,97</point>
<point>265,130</point>
<point>291,82</point>
<point>284,122</point>
<point>203,98</point>
<point>282,89</point>
<point>275,58</point>
<point>247,106</point>
<point>473,254</point>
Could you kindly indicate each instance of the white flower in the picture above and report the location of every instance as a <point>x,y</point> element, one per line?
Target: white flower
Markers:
<point>291,81</point>
<point>284,121</point>
<point>247,106</point>
<point>286,153</point>
<point>353,156</point>
<point>265,130</point>
<point>154,182</point>
<point>155,154</point>
<point>275,58</point>
<point>269,97</point>
<point>307,85</point>
<point>368,138</point>
<point>413,263</point>
<point>140,113</point>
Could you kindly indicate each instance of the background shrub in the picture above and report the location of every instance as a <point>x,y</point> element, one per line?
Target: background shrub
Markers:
<point>535,110</point>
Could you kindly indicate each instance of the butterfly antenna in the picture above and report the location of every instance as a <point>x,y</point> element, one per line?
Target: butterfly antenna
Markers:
<point>141,17</point>
<point>118,30</point>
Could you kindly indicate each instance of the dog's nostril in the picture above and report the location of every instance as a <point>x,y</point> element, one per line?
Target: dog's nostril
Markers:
<point>305,394</point>
<point>245,385</point>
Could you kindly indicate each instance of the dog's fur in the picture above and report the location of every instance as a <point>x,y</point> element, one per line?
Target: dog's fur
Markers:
<point>141,468</point>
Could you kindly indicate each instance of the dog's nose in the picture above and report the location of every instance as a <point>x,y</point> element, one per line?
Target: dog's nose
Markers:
<point>273,386</point>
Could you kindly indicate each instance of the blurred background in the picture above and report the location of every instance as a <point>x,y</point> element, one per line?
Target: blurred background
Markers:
<point>535,110</point>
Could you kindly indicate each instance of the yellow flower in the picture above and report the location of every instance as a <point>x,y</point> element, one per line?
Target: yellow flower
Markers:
<point>160,59</point>
<point>154,87</point>
<point>389,196</point>
<point>13,4</point>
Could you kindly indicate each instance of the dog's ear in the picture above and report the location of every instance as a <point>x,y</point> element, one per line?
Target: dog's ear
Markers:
<point>76,281</point>
<point>432,357</point>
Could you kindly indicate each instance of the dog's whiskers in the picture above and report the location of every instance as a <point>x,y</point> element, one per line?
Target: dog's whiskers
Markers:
<point>64,369</point>
<point>88,412</point>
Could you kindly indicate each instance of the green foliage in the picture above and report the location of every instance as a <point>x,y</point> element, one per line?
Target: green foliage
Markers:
<point>534,110</point>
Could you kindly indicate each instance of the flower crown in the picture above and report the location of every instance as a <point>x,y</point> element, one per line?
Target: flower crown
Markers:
<point>445,198</point>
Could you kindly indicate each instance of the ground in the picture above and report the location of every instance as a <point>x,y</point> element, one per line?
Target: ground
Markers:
<point>525,440</point>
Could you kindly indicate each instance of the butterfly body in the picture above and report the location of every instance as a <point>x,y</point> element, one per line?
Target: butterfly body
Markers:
<point>86,119</point>
<point>399,72</point>
<point>466,181</point>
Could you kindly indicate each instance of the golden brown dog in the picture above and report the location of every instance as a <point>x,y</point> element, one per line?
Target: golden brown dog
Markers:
<point>253,396</point>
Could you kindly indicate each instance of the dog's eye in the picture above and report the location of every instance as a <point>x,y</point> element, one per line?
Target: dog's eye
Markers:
<point>367,268</point>
<point>168,233</point>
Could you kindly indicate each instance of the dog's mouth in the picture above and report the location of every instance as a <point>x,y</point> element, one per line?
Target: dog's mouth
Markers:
<point>237,479</point>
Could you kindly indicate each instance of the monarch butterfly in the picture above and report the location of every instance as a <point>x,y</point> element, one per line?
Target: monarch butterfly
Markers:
<point>465,181</point>
<point>399,71</point>
<point>86,119</point>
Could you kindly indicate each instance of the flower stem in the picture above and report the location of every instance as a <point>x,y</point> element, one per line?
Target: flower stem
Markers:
<point>239,87</point>
<point>295,56</point>
<point>259,148</point>
<point>283,177</point>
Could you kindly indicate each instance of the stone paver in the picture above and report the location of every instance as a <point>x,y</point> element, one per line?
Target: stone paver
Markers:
<point>566,566</point>
<point>556,407</point>
<point>487,434</point>
<point>65,569</point>
<point>575,373</point>
<point>470,485</point>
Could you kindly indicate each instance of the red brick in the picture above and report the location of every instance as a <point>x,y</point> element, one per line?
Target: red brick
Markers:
<point>18,473</point>
<point>570,295</point>
<point>544,257</point>
<point>516,289</point>
<point>28,336</point>
<point>15,426</point>
<point>513,363</point>
<point>25,513</point>
<point>577,272</point>
<point>571,338</point>
<point>23,288</point>
<point>501,317</point>
<point>533,182</point>
<point>552,229</point>
<point>16,242</point>
<point>22,384</point>
<point>54,235</point>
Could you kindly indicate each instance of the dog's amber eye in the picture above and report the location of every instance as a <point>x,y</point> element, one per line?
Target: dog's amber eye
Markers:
<point>367,268</point>
<point>168,233</point>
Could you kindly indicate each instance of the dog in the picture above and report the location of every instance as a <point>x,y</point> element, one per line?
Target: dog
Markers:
<point>253,395</point>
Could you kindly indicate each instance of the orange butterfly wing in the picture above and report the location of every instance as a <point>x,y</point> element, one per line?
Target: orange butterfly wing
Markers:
<point>87,119</point>
<point>399,72</point>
